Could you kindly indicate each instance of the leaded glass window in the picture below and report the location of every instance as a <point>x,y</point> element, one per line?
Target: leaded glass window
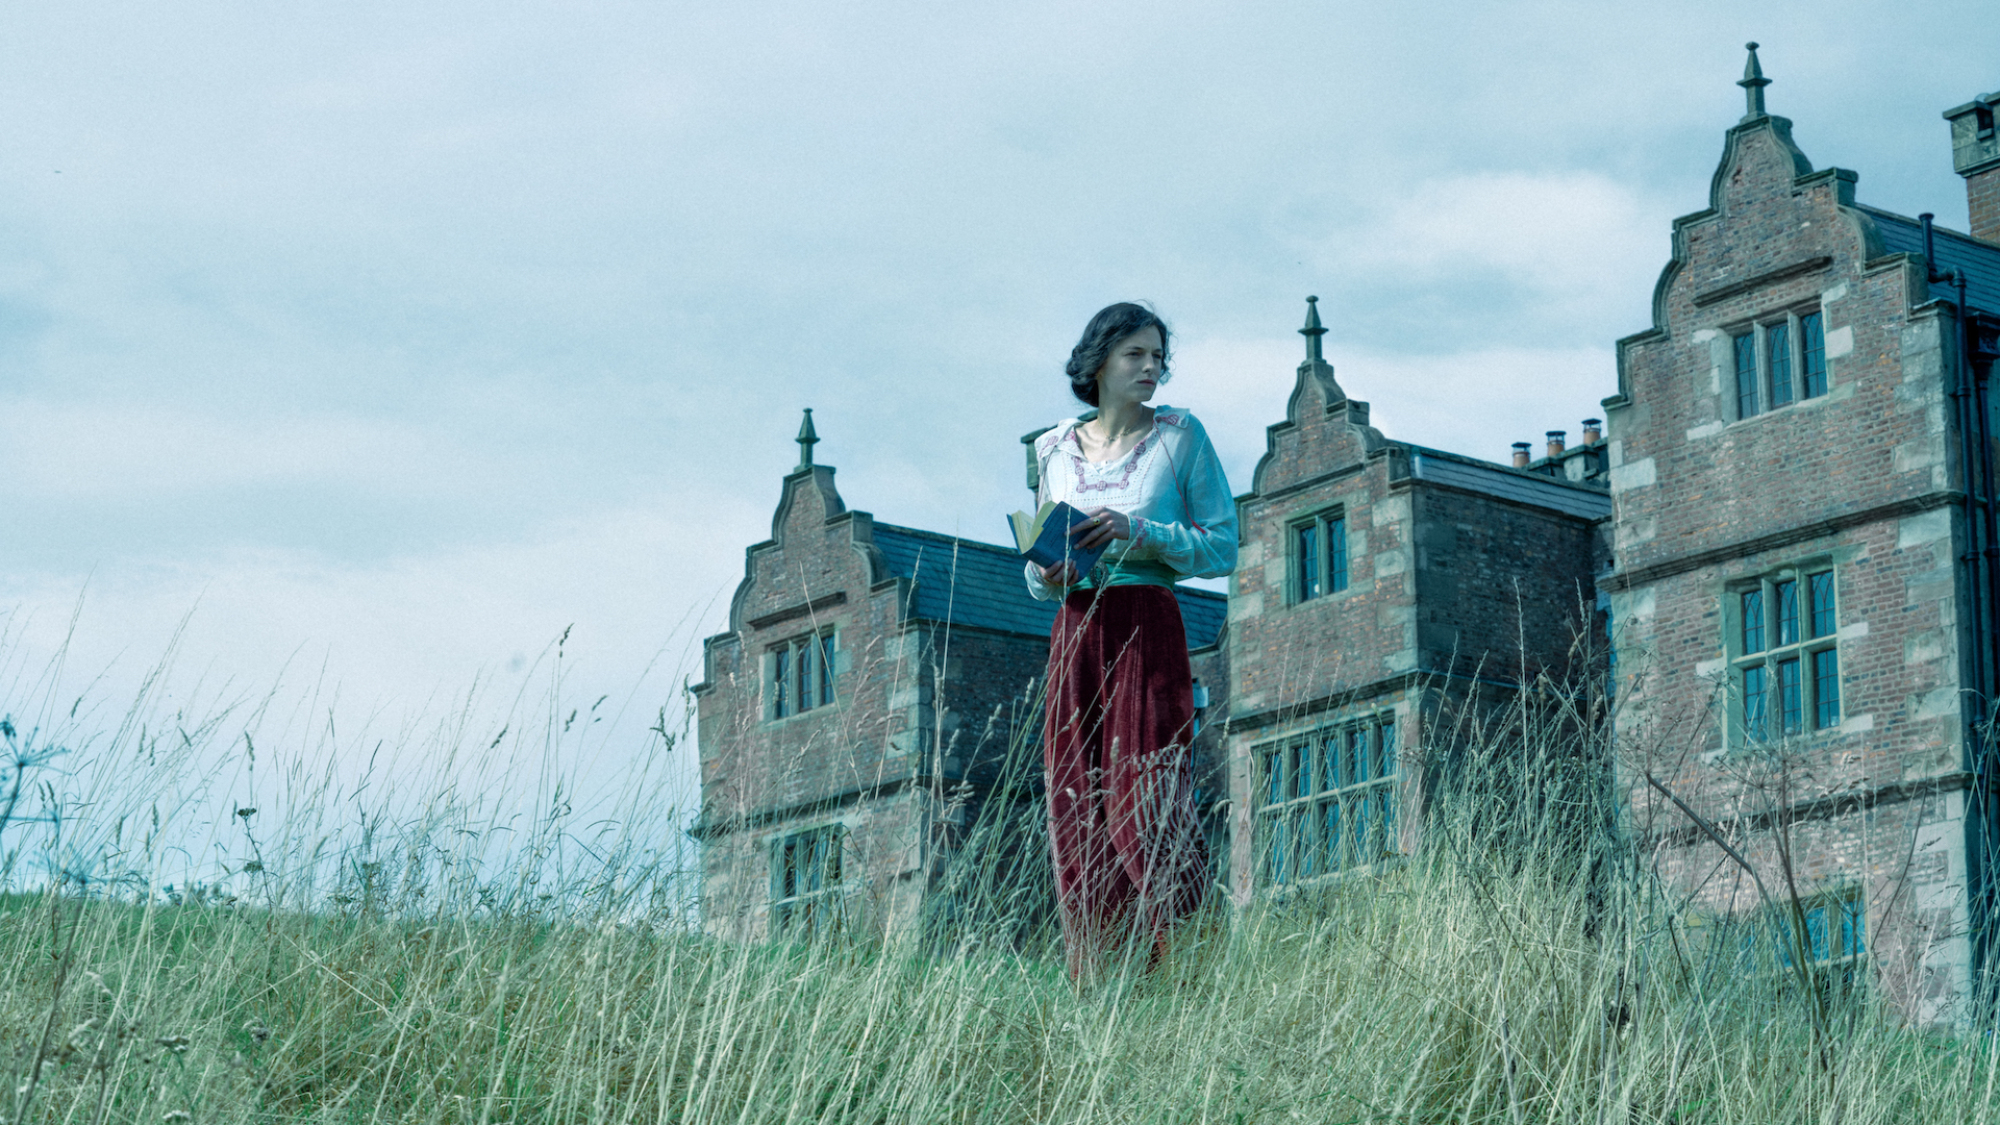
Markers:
<point>806,870</point>
<point>1319,556</point>
<point>1785,660</point>
<point>1329,799</point>
<point>800,674</point>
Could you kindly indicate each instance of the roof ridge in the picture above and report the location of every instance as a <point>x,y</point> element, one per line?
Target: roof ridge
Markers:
<point>946,537</point>
<point>1482,463</point>
<point>1936,228</point>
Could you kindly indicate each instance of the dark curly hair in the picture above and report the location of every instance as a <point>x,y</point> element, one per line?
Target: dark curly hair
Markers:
<point>1101,335</point>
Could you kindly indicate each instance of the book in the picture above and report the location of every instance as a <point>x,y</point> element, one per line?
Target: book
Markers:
<point>1045,537</point>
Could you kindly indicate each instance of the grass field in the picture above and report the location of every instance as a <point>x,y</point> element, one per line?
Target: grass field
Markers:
<point>1447,988</point>
<point>1521,967</point>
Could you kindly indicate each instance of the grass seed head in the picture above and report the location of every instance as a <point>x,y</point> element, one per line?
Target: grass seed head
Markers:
<point>80,1035</point>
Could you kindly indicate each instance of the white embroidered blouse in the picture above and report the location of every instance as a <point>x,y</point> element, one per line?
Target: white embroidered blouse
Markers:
<point>1171,485</point>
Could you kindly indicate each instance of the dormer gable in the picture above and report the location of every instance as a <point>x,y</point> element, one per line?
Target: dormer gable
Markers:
<point>1323,429</point>
<point>1771,219</point>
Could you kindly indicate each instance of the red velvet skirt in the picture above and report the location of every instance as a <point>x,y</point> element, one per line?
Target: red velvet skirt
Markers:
<point>1123,833</point>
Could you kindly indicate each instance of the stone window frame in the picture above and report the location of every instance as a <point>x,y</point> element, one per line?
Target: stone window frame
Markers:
<point>786,663</point>
<point>1801,364</point>
<point>1758,679</point>
<point>1296,810</point>
<point>1310,551</point>
<point>808,891</point>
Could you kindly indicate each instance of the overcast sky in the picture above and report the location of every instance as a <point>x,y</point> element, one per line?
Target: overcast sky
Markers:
<point>393,339</point>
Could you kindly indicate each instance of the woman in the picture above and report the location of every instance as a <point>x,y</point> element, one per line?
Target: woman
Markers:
<point>1123,833</point>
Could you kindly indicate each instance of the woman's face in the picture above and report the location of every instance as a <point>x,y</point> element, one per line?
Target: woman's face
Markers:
<point>1132,372</point>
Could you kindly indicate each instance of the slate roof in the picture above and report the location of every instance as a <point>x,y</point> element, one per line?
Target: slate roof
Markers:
<point>965,582</point>
<point>1437,466</point>
<point>1955,251</point>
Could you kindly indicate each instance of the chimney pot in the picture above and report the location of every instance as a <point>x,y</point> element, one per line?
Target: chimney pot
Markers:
<point>1521,454</point>
<point>1556,442</point>
<point>1593,431</point>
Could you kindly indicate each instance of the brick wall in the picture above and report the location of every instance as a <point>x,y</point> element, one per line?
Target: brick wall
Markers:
<point>1982,198</point>
<point>923,717</point>
<point>1442,583</point>
<point>819,554</point>
<point>1503,591</point>
<point>1857,481</point>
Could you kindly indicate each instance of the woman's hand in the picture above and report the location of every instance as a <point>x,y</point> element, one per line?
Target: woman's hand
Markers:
<point>1103,526</point>
<point>1062,575</point>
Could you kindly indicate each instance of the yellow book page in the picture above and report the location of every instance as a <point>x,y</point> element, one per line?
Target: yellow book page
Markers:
<point>1028,528</point>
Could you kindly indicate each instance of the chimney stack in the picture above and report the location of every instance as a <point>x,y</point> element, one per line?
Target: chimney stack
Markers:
<point>1975,153</point>
<point>1556,442</point>
<point>1521,454</point>
<point>1593,431</point>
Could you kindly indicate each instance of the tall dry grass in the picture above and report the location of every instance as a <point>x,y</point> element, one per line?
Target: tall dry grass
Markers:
<point>1520,967</point>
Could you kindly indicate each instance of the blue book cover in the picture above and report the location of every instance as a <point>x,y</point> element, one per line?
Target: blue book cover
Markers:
<point>1045,537</point>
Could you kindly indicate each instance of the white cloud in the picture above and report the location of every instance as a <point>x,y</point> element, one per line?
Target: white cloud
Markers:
<point>394,647</point>
<point>400,337</point>
<point>1476,402</point>
<point>77,451</point>
<point>1571,235</point>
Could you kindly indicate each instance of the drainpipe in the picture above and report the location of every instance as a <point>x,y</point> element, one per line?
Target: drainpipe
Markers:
<point>1983,797</point>
<point>1983,432</point>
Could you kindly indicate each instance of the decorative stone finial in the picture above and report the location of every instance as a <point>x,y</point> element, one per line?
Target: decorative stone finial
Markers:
<point>1313,331</point>
<point>808,437</point>
<point>1753,84</point>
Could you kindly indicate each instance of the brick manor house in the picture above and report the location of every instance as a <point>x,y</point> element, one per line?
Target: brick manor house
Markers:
<point>1788,523</point>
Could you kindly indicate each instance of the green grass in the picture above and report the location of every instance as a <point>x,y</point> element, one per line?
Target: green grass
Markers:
<point>1437,991</point>
<point>1521,967</point>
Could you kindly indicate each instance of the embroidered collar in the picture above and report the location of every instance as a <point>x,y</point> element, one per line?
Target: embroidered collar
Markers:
<point>1063,436</point>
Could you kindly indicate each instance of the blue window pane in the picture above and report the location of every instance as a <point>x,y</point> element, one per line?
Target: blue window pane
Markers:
<point>1388,746</point>
<point>1336,553</point>
<point>815,863</point>
<point>808,674</point>
<point>1360,758</point>
<point>1756,693</point>
<point>1853,928</point>
<point>1331,835</point>
<point>1826,689</point>
<point>1307,860</point>
<point>1788,611</point>
<point>1274,765</point>
<point>1302,775</point>
<point>1753,621</point>
<point>1778,352</point>
<point>1812,338</point>
<point>1820,587</point>
<point>1816,932</point>
<point>782,676</point>
<point>1746,376</point>
<point>1331,778</point>
<point>1791,702</point>
<point>1308,552</point>
<point>826,669</point>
